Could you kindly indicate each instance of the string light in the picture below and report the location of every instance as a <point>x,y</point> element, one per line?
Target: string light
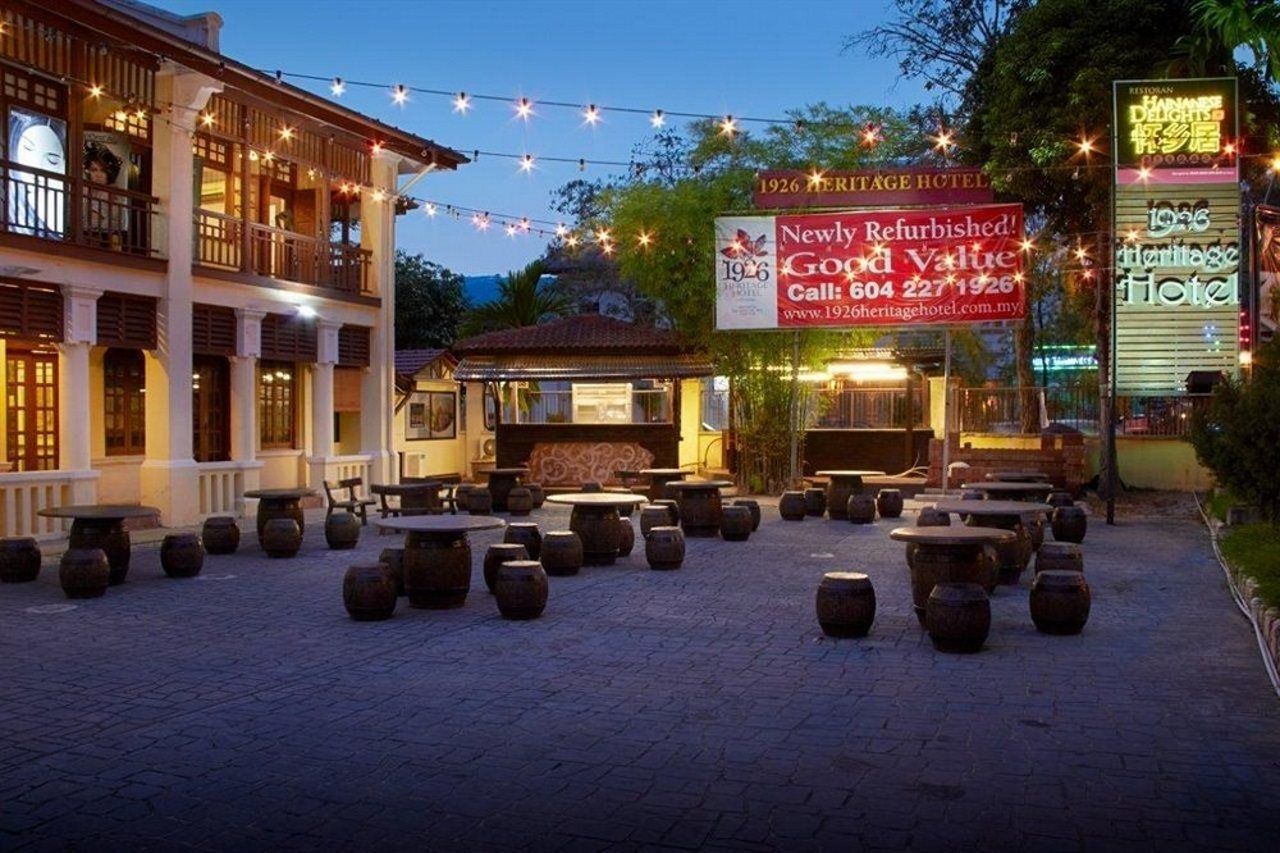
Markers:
<point>644,238</point>
<point>1085,145</point>
<point>337,87</point>
<point>561,230</point>
<point>511,230</point>
<point>95,91</point>
<point>871,135</point>
<point>207,119</point>
<point>1028,245</point>
<point>728,126</point>
<point>399,94</point>
<point>815,179</point>
<point>376,148</point>
<point>286,133</point>
<point>461,103</point>
<point>524,108</point>
<point>379,195</point>
<point>526,163</point>
<point>430,208</point>
<point>591,114</point>
<point>657,119</point>
<point>942,141</point>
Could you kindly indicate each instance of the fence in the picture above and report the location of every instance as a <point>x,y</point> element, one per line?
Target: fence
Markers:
<point>219,488</point>
<point>1027,411</point>
<point>24,494</point>
<point>872,408</point>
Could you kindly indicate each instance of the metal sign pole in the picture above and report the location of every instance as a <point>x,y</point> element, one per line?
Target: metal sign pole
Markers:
<point>946,410</point>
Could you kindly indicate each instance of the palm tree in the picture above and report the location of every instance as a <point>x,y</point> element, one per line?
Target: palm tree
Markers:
<point>1223,26</point>
<point>521,301</point>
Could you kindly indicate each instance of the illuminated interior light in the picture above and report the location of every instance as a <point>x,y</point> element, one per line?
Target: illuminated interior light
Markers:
<point>867,370</point>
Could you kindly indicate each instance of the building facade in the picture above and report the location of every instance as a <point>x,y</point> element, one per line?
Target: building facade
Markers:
<point>196,270</point>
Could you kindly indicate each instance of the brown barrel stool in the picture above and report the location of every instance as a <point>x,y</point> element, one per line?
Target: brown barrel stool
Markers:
<point>972,495</point>
<point>1060,498</point>
<point>220,535</point>
<point>673,509</point>
<point>861,508</point>
<point>521,589</point>
<point>281,537</point>
<point>627,541</point>
<point>19,560</point>
<point>958,617</point>
<point>753,506</point>
<point>735,523</point>
<point>369,592</point>
<point>519,501</point>
<point>536,494</point>
<point>461,496</point>
<point>480,501</point>
<point>561,553</point>
<point>1060,602</point>
<point>1035,529</point>
<point>181,555</point>
<point>84,572</point>
<point>791,506</point>
<point>815,502</point>
<point>889,503</point>
<point>664,548</point>
<point>342,531</point>
<point>1059,557</point>
<point>1070,524</point>
<point>525,533</point>
<point>927,517</point>
<point>393,559</point>
<point>591,487</point>
<point>653,516</point>
<point>846,604</point>
<point>496,556</point>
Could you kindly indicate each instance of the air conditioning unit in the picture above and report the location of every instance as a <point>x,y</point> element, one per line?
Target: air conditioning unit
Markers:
<point>415,464</point>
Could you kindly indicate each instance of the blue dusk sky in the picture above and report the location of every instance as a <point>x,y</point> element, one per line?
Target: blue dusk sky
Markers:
<point>714,56</point>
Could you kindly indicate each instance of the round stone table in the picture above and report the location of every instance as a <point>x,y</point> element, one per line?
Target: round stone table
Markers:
<point>437,556</point>
<point>1006,515</point>
<point>841,484</point>
<point>102,526</point>
<point>279,503</point>
<point>501,482</point>
<point>596,520</point>
<point>700,505</point>
<point>415,498</point>
<point>1037,492</point>
<point>1016,477</point>
<point>658,479</point>
<point>947,555</point>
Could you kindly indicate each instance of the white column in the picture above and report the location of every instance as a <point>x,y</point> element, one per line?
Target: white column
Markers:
<point>75,439</point>
<point>322,399</point>
<point>169,474</point>
<point>377,234</point>
<point>244,399</point>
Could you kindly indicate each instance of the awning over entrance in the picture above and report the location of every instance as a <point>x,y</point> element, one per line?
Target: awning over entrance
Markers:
<point>527,368</point>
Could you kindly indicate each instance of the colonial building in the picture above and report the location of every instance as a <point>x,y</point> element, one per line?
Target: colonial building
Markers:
<point>196,269</point>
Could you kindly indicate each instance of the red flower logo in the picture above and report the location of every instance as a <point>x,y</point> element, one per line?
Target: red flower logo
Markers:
<point>744,246</point>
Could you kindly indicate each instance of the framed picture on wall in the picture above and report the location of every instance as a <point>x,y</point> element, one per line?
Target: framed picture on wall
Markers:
<point>417,414</point>
<point>443,414</point>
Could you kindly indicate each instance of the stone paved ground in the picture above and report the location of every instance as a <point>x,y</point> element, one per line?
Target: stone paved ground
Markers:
<point>698,708</point>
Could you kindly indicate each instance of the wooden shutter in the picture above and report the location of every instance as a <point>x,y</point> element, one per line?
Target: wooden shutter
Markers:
<point>126,321</point>
<point>353,346</point>
<point>286,338</point>
<point>30,310</point>
<point>213,330</point>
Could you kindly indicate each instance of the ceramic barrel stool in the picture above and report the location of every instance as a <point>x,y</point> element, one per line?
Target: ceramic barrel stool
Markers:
<point>537,495</point>
<point>497,555</point>
<point>461,496</point>
<point>1060,602</point>
<point>561,553</point>
<point>673,509</point>
<point>393,559</point>
<point>181,555</point>
<point>815,502</point>
<point>220,535</point>
<point>592,487</point>
<point>369,592</point>
<point>525,533</point>
<point>1035,529</point>
<point>480,501</point>
<point>846,604</point>
<point>735,523</point>
<point>84,572</point>
<point>1059,557</point>
<point>342,531</point>
<point>1070,524</point>
<point>664,548</point>
<point>1060,498</point>
<point>889,503</point>
<point>653,516</point>
<point>928,517</point>
<point>627,542</point>
<point>519,501</point>
<point>19,560</point>
<point>791,506</point>
<point>753,506</point>
<point>958,617</point>
<point>281,537</point>
<point>861,508</point>
<point>521,589</point>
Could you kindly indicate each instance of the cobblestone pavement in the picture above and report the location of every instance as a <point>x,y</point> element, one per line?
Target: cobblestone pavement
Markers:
<point>700,708</point>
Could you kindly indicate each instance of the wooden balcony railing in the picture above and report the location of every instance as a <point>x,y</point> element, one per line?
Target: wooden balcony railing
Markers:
<point>69,209</point>
<point>228,243</point>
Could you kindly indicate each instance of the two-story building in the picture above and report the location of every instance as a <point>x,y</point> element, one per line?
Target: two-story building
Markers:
<point>196,269</point>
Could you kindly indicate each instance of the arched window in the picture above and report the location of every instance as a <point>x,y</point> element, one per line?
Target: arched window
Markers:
<point>124,402</point>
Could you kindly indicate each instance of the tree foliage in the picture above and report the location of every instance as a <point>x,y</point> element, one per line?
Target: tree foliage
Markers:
<point>1237,434</point>
<point>523,300</point>
<point>430,303</point>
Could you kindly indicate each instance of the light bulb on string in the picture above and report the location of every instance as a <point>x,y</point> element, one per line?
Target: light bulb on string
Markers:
<point>728,126</point>
<point>942,141</point>
<point>561,230</point>
<point>510,230</point>
<point>461,103</point>
<point>815,179</point>
<point>207,119</point>
<point>871,135</point>
<point>524,224</point>
<point>591,115</point>
<point>337,87</point>
<point>399,94</point>
<point>526,163</point>
<point>524,108</point>
<point>1028,244</point>
<point>657,119</point>
<point>571,240</point>
<point>1085,146</point>
<point>644,238</point>
<point>430,209</point>
<point>286,134</point>
<point>95,91</point>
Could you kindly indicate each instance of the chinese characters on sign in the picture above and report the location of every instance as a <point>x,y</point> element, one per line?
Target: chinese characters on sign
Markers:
<point>870,268</point>
<point>1176,131</point>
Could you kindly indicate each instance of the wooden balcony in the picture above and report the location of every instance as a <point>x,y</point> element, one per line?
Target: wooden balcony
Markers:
<point>259,251</point>
<point>69,210</point>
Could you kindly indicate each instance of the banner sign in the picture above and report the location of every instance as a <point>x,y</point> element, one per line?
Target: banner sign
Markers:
<point>1176,131</point>
<point>1268,243</point>
<point>870,268</point>
<point>880,188</point>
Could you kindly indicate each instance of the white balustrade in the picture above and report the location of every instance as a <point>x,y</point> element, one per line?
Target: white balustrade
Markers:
<point>23,494</point>
<point>220,487</point>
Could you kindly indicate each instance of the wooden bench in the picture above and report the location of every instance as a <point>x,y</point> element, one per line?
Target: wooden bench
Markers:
<point>449,483</point>
<point>353,504</point>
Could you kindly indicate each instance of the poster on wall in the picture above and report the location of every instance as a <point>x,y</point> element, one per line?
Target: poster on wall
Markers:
<point>1176,131</point>
<point>106,164</point>
<point>870,268</point>
<point>37,198</point>
<point>1268,243</point>
<point>431,414</point>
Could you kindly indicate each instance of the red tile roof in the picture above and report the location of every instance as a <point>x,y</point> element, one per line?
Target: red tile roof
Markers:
<point>410,361</point>
<point>593,334</point>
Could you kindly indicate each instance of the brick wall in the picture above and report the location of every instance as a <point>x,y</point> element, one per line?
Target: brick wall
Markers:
<point>1061,457</point>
